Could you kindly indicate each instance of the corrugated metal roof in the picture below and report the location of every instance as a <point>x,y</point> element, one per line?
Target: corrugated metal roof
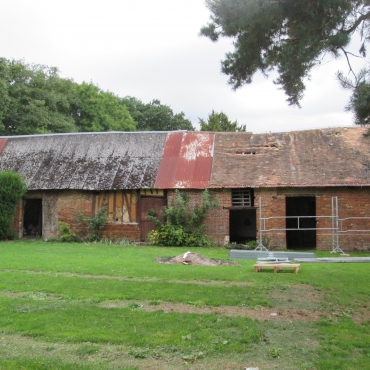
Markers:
<point>90,161</point>
<point>329,157</point>
<point>187,161</point>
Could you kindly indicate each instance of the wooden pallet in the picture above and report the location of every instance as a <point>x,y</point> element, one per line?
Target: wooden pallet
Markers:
<point>277,266</point>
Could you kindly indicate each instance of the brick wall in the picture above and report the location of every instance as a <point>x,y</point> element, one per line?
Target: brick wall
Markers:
<point>63,206</point>
<point>123,231</point>
<point>273,204</point>
<point>352,202</point>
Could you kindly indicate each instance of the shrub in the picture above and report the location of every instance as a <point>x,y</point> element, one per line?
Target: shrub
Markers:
<point>94,224</point>
<point>12,189</point>
<point>179,224</point>
<point>66,234</point>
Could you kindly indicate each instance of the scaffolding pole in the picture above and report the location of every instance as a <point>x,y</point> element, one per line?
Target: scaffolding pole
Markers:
<point>335,226</point>
<point>260,246</point>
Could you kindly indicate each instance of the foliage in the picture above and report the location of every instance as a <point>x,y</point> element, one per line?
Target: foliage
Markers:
<point>359,102</point>
<point>155,116</point>
<point>12,189</point>
<point>35,100</point>
<point>180,224</point>
<point>220,122</point>
<point>66,234</point>
<point>290,36</point>
<point>249,245</point>
<point>99,110</point>
<point>94,224</point>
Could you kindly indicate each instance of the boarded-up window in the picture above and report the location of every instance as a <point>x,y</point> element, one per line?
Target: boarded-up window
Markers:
<point>242,197</point>
<point>121,205</point>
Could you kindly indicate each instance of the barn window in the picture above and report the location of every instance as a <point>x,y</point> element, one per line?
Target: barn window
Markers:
<point>242,197</point>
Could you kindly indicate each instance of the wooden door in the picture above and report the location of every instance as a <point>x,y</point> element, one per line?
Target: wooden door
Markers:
<point>147,203</point>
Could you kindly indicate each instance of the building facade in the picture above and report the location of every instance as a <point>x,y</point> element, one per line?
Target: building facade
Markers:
<point>295,190</point>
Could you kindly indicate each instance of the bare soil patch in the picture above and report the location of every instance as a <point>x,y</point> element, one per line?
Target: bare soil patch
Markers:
<point>259,313</point>
<point>195,259</point>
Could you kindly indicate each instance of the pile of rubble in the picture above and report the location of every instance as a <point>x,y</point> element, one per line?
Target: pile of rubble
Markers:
<point>194,259</point>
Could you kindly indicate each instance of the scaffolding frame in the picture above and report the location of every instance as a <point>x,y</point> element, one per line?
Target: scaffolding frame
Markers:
<point>336,225</point>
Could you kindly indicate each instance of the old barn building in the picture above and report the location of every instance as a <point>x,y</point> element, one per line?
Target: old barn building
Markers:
<point>293,189</point>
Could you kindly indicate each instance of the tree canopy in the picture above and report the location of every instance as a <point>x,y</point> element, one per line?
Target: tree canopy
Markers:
<point>155,116</point>
<point>220,122</point>
<point>98,110</point>
<point>34,99</point>
<point>291,37</point>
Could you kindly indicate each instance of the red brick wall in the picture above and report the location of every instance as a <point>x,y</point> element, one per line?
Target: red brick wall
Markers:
<point>352,202</point>
<point>123,231</point>
<point>273,205</point>
<point>63,206</point>
<point>69,203</point>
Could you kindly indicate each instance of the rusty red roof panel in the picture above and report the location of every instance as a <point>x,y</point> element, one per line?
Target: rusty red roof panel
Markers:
<point>202,171</point>
<point>2,144</point>
<point>173,145</point>
<point>187,161</point>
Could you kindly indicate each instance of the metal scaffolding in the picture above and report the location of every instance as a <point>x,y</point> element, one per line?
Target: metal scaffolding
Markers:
<point>337,225</point>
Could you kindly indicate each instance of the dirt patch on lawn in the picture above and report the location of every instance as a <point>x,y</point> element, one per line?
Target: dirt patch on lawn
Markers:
<point>194,259</point>
<point>259,313</point>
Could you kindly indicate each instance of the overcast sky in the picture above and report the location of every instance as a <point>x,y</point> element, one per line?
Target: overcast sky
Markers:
<point>151,49</point>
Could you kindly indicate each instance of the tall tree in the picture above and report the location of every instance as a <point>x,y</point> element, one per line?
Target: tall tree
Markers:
<point>98,110</point>
<point>155,116</point>
<point>290,36</point>
<point>34,100</point>
<point>220,122</point>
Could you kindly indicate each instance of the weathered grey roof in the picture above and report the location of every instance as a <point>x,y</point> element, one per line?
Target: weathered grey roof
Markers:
<point>92,161</point>
<point>329,157</point>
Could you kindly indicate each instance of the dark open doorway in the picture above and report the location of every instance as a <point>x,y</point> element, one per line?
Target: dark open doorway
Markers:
<point>242,225</point>
<point>301,206</point>
<point>32,217</point>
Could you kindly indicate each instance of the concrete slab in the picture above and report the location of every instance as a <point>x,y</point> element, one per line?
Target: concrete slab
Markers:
<point>333,259</point>
<point>254,255</point>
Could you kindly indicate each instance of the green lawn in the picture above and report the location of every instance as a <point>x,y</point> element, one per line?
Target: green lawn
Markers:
<point>76,306</point>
